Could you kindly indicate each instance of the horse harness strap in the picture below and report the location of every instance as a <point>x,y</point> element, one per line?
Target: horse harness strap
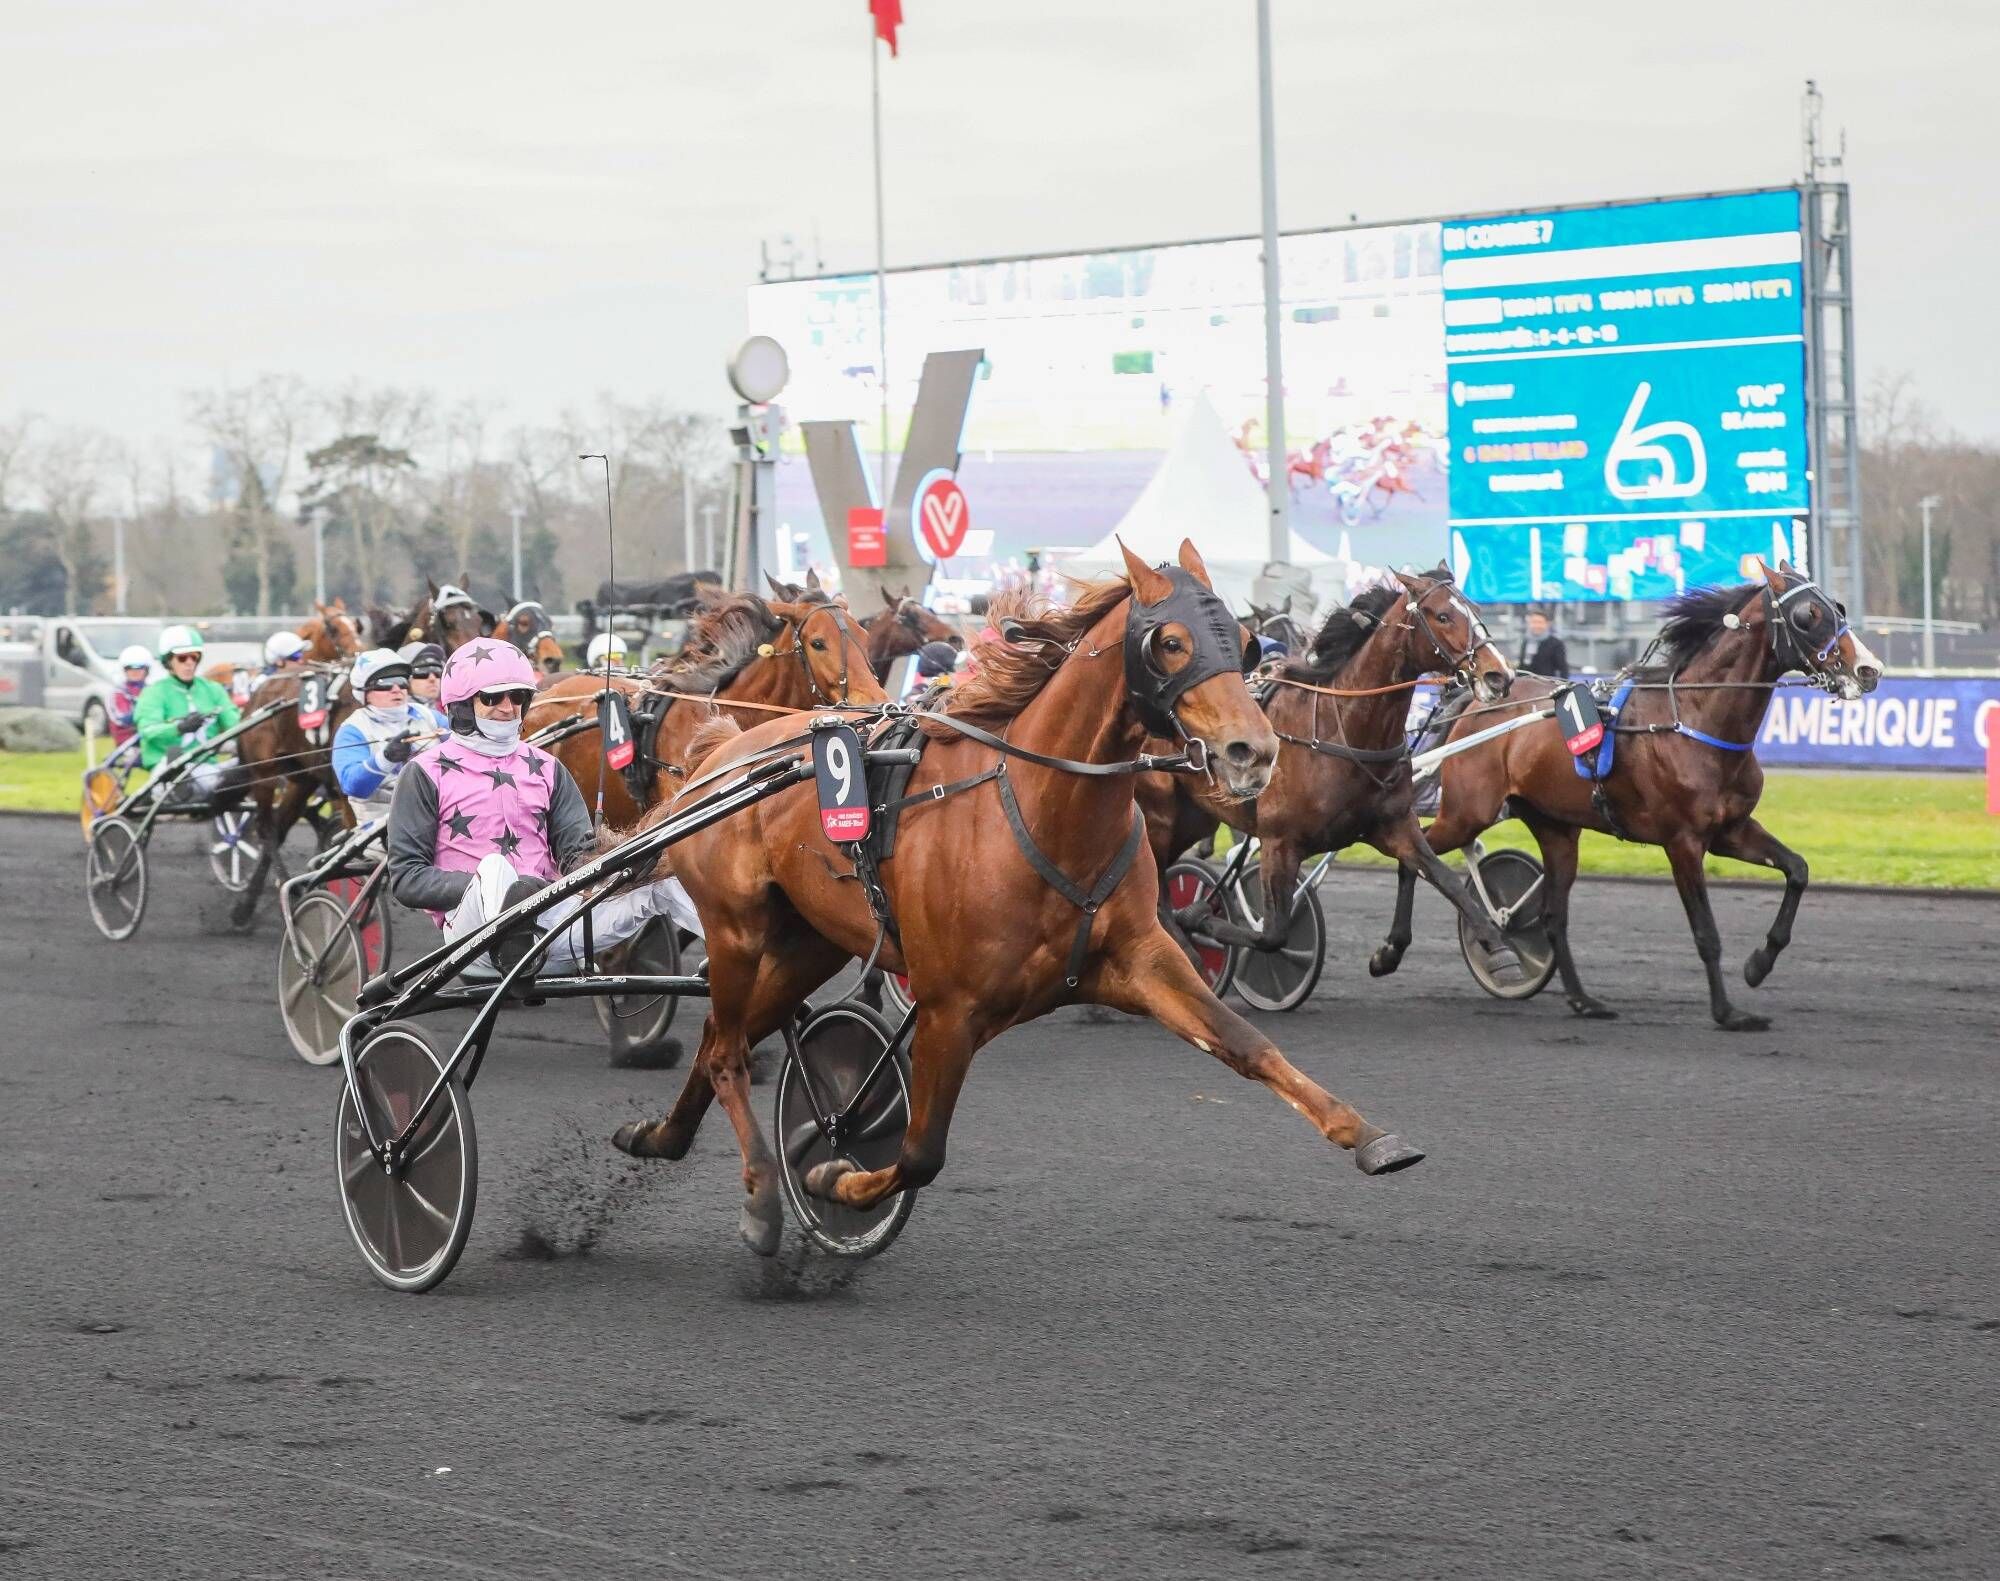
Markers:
<point>1086,901</point>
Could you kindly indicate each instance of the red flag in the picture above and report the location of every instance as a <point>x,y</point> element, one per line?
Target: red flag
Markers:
<point>888,16</point>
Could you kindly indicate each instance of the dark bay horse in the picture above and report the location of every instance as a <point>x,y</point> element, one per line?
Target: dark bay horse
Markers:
<point>900,627</point>
<point>987,940</point>
<point>1684,776</point>
<point>1343,774</point>
<point>748,654</point>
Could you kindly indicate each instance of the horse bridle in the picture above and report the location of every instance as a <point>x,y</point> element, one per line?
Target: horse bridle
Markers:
<point>1219,649</point>
<point>1462,668</point>
<point>1787,646</point>
<point>847,637</point>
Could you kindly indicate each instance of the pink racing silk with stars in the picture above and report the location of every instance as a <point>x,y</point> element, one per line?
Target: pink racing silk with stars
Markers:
<point>488,805</point>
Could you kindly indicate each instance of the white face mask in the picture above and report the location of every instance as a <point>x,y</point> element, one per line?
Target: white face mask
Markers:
<point>503,731</point>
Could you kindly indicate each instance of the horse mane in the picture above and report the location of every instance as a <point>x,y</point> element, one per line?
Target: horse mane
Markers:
<point>1012,672</point>
<point>1343,635</point>
<point>724,638</point>
<point>1695,619</point>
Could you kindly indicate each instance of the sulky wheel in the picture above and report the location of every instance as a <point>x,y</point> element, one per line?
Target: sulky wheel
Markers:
<point>1191,892</point>
<point>114,878</point>
<point>842,1093</point>
<point>410,1221</point>
<point>1513,881</point>
<point>321,967</point>
<point>232,857</point>
<point>377,948</point>
<point>1284,978</point>
<point>896,996</point>
<point>637,1024</point>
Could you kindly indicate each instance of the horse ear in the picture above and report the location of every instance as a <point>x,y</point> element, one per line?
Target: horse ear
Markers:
<point>812,579</point>
<point>888,597</point>
<point>778,588</point>
<point>1148,586</point>
<point>1410,584</point>
<point>1775,579</point>
<point>1190,558</point>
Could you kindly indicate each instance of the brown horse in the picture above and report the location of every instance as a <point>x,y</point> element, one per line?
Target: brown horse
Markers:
<point>749,655</point>
<point>782,912</point>
<point>1343,773</point>
<point>1684,774</point>
<point>901,626</point>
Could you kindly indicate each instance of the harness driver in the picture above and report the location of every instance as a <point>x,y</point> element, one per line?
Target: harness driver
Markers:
<point>482,819</point>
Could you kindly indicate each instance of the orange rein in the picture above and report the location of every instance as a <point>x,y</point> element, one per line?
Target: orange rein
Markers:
<point>1348,691</point>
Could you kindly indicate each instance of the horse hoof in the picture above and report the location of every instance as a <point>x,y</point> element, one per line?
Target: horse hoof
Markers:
<point>822,1178</point>
<point>1758,967</point>
<point>1384,961</point>
<point>1385,1155</point>
<point>628,1139</point>
<point>1592,1009</point>
<point>663,1055</point>
<point>760,1233</point>
<point>1742,1021</point>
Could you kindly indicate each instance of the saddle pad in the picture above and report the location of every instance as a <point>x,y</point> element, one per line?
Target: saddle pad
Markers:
<point>1596,766</point>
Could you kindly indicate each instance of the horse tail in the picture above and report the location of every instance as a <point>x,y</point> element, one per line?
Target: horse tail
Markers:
<point>707,737</point>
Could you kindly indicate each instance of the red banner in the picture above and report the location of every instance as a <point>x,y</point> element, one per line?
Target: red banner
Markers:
<point>867,541</point>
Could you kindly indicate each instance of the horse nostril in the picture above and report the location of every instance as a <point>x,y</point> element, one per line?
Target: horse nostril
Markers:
<point>1240,752</point>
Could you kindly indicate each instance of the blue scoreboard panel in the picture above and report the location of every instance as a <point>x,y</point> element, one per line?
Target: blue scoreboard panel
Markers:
<point>1627,403</point>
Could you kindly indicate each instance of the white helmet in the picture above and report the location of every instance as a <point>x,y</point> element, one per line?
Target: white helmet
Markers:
<point>136,657</point>
<point>283,645</point>
<point>603,644</point>
<point>180,639</point>
<point>377,666</point>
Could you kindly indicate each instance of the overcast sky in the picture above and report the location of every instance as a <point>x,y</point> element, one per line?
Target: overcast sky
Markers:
<point>532,203</point>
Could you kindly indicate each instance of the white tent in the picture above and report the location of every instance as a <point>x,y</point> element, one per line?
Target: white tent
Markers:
<point>1204,491</point>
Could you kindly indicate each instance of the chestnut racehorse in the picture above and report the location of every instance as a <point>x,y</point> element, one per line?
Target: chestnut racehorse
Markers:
<point>1343,773</point>
<point>1684,772</point>
<point>332,636</point>
<point>986,938</point>
<point>748,655</point>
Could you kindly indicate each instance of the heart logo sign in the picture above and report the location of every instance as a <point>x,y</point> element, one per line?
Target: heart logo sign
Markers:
<point>942,515</point>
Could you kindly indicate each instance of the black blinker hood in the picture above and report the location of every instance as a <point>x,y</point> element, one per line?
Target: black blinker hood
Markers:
<point>1218,649</point>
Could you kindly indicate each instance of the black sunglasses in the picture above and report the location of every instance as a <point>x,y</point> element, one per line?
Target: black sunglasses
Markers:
<point>520,697</point>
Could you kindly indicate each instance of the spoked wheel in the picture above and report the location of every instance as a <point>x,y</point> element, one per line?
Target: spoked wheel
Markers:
<point>232,856</point>
<point>1513,879</point>
<point>842,1093</point>
<point>637,1024</point>
<point>410,1225</point>
<point>114,878</point>
<point>376,944</point>
<point>1191,891</point>
<point>320,972</point>
<point>1284,978</point>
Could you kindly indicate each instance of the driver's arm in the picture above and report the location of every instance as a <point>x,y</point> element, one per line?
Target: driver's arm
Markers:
<point>572,840</point>
<point>415,879</point>
<point>159,730</point>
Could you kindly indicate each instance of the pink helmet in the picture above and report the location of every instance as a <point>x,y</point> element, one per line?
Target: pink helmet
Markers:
<point>486,664</point>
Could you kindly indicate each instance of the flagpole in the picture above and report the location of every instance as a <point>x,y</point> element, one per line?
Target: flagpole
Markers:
<point>881,277</point>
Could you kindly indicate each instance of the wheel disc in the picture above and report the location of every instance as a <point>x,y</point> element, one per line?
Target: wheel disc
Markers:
<point>840,1052</point>
<point>1284,978</point>
<point>115,878</point>
<point>1191,883</point>
<point>320,973</point>
<point>637,1022</point>
<point>409,1227</point>
<point>1509,876</point>
<point>232,858</point>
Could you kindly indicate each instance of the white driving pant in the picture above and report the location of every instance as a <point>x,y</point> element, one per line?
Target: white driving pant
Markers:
<point>613,921</point>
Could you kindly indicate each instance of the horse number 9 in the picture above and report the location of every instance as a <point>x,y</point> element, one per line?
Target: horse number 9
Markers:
<point>838,765</point>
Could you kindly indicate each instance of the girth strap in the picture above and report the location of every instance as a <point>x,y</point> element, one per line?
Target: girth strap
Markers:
<point>1086,901</point>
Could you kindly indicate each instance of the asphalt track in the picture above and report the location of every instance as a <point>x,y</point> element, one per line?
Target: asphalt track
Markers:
<point>1663,1301</point>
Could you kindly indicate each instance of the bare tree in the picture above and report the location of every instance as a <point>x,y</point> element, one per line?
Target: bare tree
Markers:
<point>14,437</point>
<point>71,470</point>
<point>258,428</point>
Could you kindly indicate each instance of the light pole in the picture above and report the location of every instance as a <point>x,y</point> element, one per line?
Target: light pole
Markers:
<point>1927,504</point>
<point>319,557</point>
<point>517,554</point>
<point>1278,546</point>
<point>707,537</point>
